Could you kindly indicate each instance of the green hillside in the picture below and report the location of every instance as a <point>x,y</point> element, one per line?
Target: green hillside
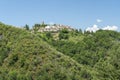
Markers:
<point>99,51</point>
<point>65,55</point>
<point>25,56</point>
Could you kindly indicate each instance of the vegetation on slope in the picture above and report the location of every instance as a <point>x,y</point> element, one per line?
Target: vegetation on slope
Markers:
<point>25,56</point>
<point>65,55</point>
<point>99,51</point>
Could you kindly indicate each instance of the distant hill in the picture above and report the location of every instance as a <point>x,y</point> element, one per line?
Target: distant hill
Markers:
<point>25,56</point>
<point>65,55</point>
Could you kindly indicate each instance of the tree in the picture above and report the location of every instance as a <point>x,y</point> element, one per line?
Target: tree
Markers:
<point>26,27</point>
<point>48,35</point>
<point>63,34</point>
<point>80,31</point>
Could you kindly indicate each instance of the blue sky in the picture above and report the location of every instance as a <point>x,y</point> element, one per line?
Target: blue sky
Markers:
<point>76,13</point>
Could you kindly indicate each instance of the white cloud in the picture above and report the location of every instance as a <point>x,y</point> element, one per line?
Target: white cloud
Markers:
<point>110,28</point>
<point>98,20</point>
<point>94,28</point>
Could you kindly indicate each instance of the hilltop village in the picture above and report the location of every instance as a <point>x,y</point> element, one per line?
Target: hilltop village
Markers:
<point>54,28</point>
<point>48,27</point>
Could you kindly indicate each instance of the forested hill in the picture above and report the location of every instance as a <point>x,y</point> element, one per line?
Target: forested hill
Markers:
<point>25,56</point>
<point>65,55</point>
